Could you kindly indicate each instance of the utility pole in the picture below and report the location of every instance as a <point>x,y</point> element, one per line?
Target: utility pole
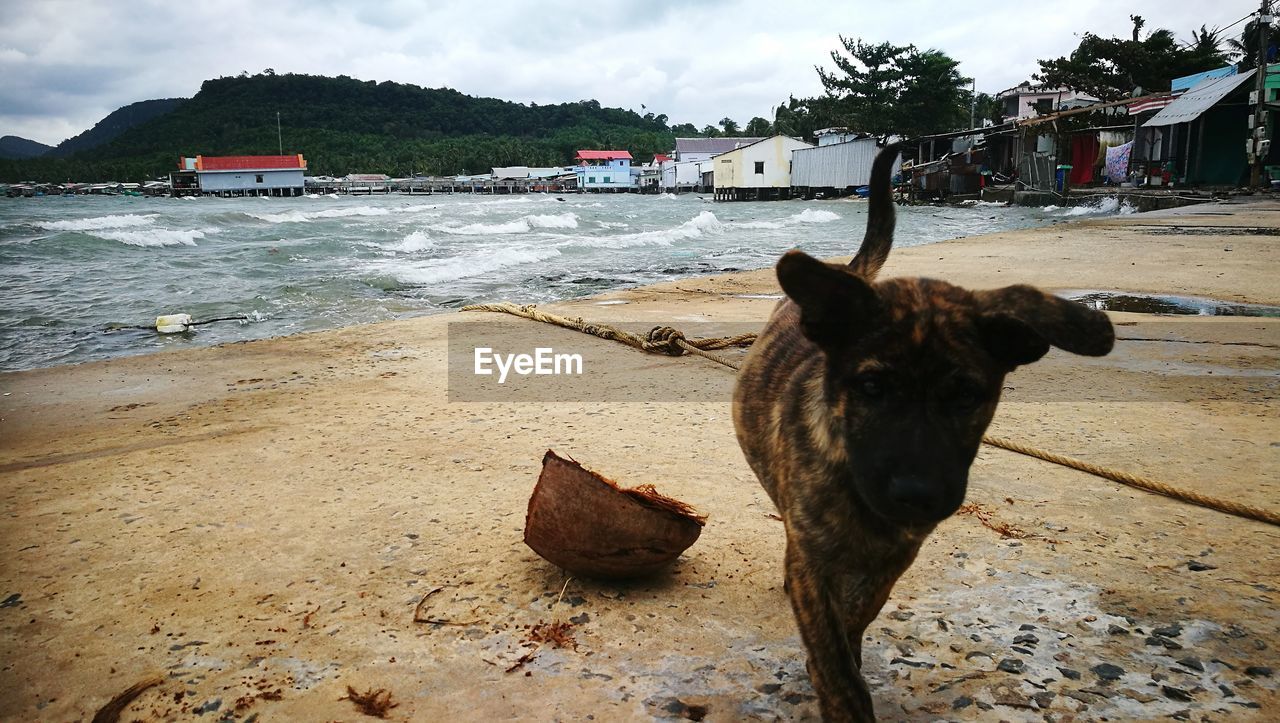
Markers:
<point>1257,147</point>
<point>279,138</point>
<point>973,104</point>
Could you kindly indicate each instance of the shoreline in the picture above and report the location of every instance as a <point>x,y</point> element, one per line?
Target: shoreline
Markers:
<point>260,520</point>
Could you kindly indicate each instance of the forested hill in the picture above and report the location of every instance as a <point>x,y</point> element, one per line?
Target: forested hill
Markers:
<point>19,147</point>
<point>118,122</point>
<point>343,125</point>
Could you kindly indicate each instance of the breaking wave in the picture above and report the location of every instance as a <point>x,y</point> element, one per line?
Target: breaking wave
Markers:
<point>307,216</point>
<point>416,241</point>
<point>702,224</point>
<point>524,224</point>
<point>808,215</point>
<point>472,264</point>
<point>153,237</point>
<point>1101,207</point>
<point>98,223</point>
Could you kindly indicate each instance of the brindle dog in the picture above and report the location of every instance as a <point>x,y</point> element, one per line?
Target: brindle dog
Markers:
<point>861,407</point>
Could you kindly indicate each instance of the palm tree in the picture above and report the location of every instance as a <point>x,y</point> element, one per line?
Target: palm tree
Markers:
<point>1244,50</point>
<point>729,125</point>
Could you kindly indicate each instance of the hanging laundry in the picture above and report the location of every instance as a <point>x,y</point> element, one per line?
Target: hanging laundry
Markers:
<point>1117,168</point>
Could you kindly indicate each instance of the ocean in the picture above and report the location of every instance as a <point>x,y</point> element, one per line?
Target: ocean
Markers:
<point>74,268</point>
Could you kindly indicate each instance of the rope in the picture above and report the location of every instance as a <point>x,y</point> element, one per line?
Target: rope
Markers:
<point>1144,483</point>
<point>666,340</point>
<point>152,327</point>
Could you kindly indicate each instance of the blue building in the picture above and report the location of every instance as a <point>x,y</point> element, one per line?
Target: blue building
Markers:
<point>604,170</point>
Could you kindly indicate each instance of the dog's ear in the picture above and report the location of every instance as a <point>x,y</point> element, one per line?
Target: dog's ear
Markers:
<point>836,306</point>
<point>1018,323</point>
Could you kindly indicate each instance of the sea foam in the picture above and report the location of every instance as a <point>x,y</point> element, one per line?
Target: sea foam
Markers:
<point>1101,207</point>
<point>98,222</point>
<point>808,215</point>
<point>153,237</point>
<point>307,216</point>
<point>524,224</point>
<point>416,241</point>
<point>471,264</point>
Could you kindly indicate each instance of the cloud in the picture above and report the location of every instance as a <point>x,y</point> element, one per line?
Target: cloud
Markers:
<point>66,64</point>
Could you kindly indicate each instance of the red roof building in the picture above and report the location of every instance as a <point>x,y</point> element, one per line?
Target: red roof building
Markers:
<point>660,158</point>
<point>249,163</point>
<point>603,155</point>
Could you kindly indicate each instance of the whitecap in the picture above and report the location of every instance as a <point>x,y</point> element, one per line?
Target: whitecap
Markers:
<point>704,223</point>
<point>808,215</point>
<point>307,216</point>
<point>416,241</point>
<point>467,265</point>
<point>153,237</point>
<point>1100,207</point>
<point>524,224</point>
<point>99,222</point>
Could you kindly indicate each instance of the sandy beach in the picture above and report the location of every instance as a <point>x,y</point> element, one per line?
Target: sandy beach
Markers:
<point>258,523</point>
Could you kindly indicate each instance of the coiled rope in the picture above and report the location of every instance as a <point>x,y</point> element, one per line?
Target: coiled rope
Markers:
<point>670,341</point>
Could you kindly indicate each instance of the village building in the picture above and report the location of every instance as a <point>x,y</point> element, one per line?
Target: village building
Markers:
<point>1026,100</point>
<point>604,170</point>
<point>689,167</point>
<point>1199,137</point>
<point>834,167</point>
<point>239,176</point>
<point>758,171</point>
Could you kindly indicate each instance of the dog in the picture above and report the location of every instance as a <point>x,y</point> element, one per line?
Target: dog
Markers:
<point>861,407</point>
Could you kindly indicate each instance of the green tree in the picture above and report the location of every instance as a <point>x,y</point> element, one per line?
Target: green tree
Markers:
<point>344,125</point>
<point>1111,68</point>
<point>1244,50</point>
<point>710,131</point>
<point>757,127</point>
<point>684,130</point>
<point>885,88</point>
<point>729,126</point>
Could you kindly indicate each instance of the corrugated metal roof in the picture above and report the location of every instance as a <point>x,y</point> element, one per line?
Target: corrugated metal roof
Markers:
<point>714,146</point>
<point>1199,99</point>
<point>249,163</point>
<point>603,155</point>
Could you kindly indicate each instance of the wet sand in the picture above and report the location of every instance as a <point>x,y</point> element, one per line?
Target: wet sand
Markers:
<point>258,522</point>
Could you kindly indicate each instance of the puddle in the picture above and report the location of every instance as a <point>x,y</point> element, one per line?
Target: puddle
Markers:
<point>1211,230</point>
<point>1167,304</point>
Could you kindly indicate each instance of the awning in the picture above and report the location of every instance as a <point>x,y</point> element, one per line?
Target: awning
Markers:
<point>1199,99</point>
<point>1155,103</point>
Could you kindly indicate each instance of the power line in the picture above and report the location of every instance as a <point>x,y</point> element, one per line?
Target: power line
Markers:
<point>1232,25</point>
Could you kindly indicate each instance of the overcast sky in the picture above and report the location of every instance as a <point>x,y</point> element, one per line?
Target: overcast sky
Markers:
<point>64,65</point>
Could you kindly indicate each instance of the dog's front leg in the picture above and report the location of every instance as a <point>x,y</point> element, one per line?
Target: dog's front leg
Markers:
<point>833,667</point>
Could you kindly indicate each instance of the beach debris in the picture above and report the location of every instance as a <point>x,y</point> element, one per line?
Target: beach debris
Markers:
<point>173,323</point>
<point>420,614</point>
<point>110,713</point>
<point>558,634</point>
<point>590,526</point>
<point>373,703</point>
<point>986,515</point>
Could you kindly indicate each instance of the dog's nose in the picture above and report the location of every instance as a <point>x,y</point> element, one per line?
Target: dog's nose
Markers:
<point>918,498</point>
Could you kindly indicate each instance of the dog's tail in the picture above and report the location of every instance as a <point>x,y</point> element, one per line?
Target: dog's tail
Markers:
<point>880,216</point>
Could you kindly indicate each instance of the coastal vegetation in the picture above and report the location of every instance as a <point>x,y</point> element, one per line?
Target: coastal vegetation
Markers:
<point>344,125</point>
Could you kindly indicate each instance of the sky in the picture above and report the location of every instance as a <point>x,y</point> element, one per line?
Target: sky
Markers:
<point>64,65</point>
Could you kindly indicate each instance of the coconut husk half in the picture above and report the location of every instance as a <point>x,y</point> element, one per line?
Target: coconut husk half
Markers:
<point>588,525</point>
